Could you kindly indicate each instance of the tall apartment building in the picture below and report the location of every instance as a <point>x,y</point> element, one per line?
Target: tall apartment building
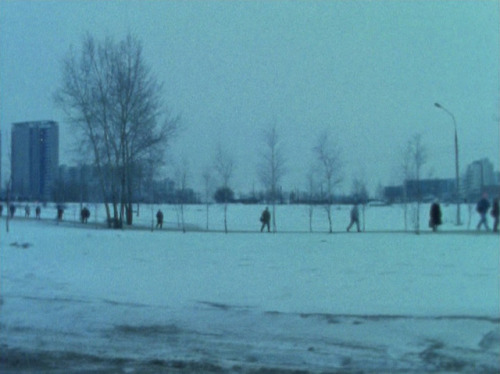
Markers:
<point>35,159</point>
<point>478,176</point>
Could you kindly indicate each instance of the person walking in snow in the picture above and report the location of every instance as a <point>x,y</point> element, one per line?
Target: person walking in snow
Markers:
<point>482,208</point>
<point>435,216</point>
<point>265,218</point>
<point>27,211</point>
<point>38,211</point>
<point>159,219</point>
<point>60,212</point>
<point>85,214</point>
<point>354,218</point>
<point>12,210</point>
<point>494,214</point>
<point>1,209</point>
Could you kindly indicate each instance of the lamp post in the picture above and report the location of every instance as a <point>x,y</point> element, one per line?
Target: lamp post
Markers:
<point>437,105</point>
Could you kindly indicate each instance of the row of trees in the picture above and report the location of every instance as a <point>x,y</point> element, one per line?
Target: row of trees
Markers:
<point>115,103</point>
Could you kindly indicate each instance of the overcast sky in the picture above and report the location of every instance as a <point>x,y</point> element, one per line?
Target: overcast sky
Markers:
<point>368,71</point>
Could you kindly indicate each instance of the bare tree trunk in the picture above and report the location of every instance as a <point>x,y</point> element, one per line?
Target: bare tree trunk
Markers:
<point>207,206</point>
<point>129,196</point>
<point>225,217</point>
<point>272,167</point>
<point>182,218</point>
<point>207,178</point>
<point>311,210</point>
<point>364,220</point>
<point>311,192</point>
<point>274,209</point>
<point>224,166</point>
<point>329,216</point>
<point>419,198</point>
<point>329,206</point>
<point>328,156</point>
<point>418,157</point>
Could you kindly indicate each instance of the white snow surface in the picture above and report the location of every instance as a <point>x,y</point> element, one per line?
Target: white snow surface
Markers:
<point>82,298</point>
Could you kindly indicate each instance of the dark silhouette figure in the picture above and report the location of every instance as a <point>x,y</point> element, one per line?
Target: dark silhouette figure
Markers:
<point>27,211</point>
<point>1,209</point>
<point>265,218</point>
<point>12,209</point>
<point>38,211</point>
<point>85,214</point>
<point>354,218</point>
<point>482,208</point>
<point>60,212</point>
<point>435,216</point>
<point>494,214</point>
<point>159,219</point>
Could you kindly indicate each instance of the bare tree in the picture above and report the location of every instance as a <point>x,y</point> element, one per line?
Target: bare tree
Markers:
<point>417,154</point>
<point>207,182</point>
<point>311,191</point>
<point>148,173</point>
<point>224,165</point>
<point>181,176</point>
<point>272,167</point>
<point>111,96</point>
<point>407,174</point>
<point>328,157</point>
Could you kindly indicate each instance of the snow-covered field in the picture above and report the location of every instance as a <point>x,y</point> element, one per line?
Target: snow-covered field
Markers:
<point>78,299</point>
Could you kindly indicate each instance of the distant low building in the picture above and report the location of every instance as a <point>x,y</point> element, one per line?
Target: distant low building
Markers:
<point>425,190</point>
<point>394,194</point>
<point>442,189</point>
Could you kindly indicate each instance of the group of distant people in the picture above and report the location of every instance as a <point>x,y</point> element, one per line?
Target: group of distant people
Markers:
<point>265,219</point>
<point>27,211</point>
<point>84,213</point>
<point>435,215</point>
<point>482,208</point>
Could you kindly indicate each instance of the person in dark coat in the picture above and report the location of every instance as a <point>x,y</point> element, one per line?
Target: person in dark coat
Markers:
<point>354,218</point>
<point>159,219</point>
<point>494,214</point>
<point>482,208</point>
<point>27,211</point>
<point>85,213</point>
<point>38,211</point>
<point>1,209</point>
<point>12,210</point>
<point>60,212</point>
<point>265,218</point>
<point>435,216</point>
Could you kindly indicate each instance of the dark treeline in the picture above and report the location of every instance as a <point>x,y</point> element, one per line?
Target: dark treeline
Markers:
<point>83,187</point>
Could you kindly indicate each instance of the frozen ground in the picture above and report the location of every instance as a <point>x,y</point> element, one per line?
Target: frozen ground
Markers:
<point>83,299</point>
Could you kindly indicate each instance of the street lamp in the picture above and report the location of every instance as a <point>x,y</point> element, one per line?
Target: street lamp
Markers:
<point>437,105</point>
